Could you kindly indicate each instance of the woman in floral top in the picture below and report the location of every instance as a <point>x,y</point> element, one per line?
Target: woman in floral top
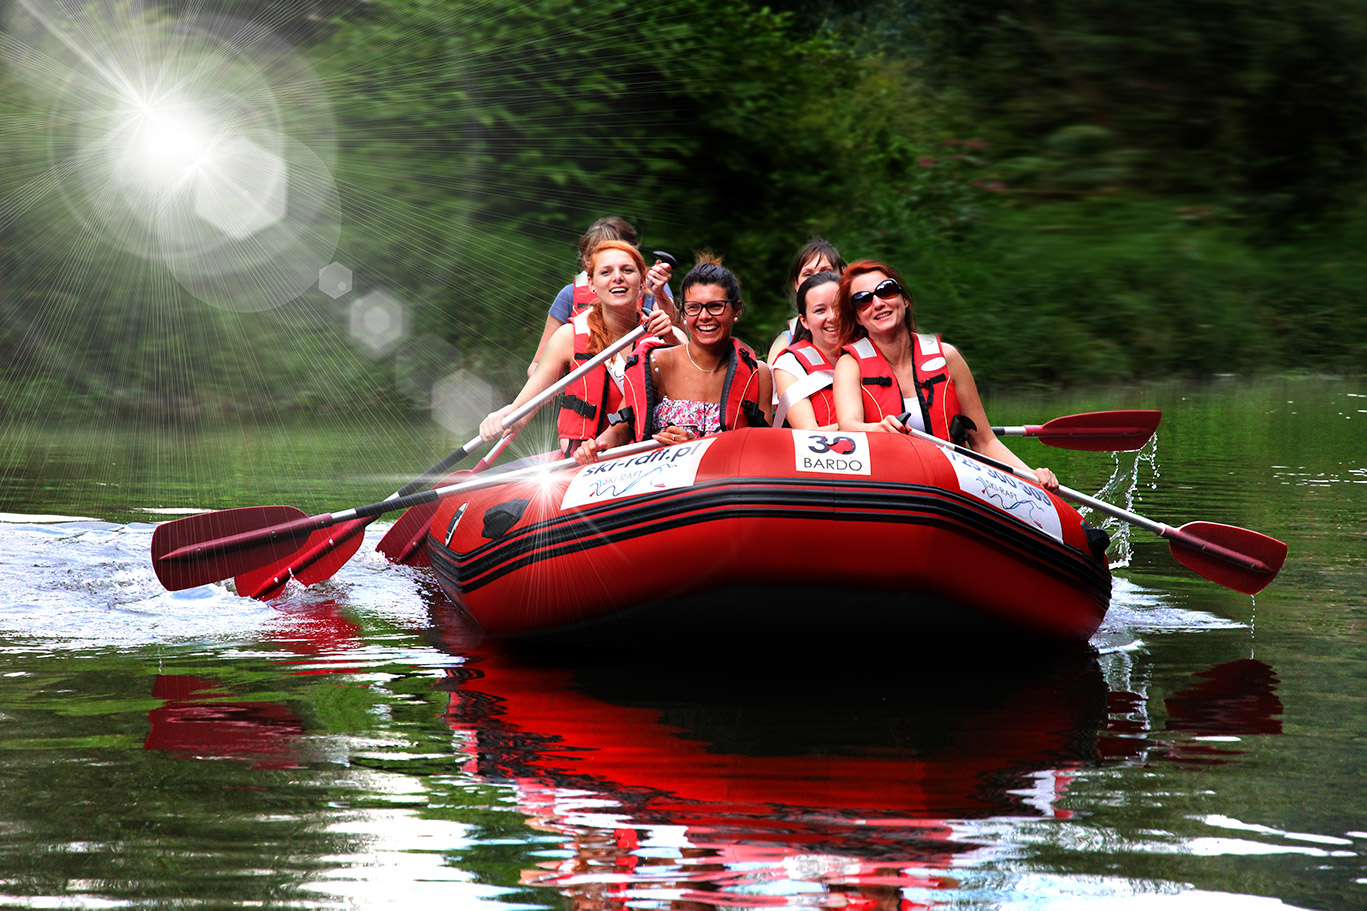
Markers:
<point>689,380</point>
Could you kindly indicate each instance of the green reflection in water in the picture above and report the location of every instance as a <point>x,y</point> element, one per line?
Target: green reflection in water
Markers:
<point>186,776</point>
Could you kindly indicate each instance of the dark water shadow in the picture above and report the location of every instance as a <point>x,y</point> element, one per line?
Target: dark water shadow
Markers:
<point>785,621</point>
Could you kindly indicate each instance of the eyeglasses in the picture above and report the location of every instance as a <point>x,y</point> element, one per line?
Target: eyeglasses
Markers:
<point>887,289</point>
<point>716,308</point>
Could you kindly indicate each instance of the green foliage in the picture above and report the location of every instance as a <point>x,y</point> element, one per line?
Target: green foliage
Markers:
<point>1257,98</point>
<point>1122,289</point>
<point>1080,191</point>
<point>481,141</point>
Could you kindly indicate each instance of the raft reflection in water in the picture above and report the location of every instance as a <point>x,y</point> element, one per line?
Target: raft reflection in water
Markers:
<point>200,719</point>
<point>679,783</point>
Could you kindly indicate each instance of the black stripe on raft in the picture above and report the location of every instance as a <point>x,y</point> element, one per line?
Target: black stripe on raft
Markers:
<point>729,498</point>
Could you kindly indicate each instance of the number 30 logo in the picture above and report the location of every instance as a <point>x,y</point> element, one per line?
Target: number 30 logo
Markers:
<point>820,444</point>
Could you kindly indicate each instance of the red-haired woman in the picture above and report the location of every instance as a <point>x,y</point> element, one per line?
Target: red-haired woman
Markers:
<point>615,270</point>
<point>578,295</point>
<point>889,369</point>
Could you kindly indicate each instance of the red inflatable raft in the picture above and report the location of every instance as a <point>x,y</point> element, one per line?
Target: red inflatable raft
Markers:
<point>873,527</point>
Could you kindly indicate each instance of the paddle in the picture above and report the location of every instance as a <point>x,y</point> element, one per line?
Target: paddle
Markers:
<point>328,550</point>
<point>406,542</point>
<point>197,550</point>
<point>1094,431</point>
<point>325,552</point>
<point>1234,557</point>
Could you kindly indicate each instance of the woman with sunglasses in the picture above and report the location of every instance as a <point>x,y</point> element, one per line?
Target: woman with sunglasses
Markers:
<point>616,271</point>
<point>712,382</point>
<point>803,371</point>
<point>888,369</point>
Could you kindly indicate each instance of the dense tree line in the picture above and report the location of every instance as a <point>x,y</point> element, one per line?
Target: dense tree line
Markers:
<point>1081,191</point>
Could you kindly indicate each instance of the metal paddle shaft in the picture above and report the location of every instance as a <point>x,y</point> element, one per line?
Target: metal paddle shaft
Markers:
<point>405,542</point>
<point>1093,431</point>
<point>326,551</point>
<point>197,550</point>
<point>527,408</point>
<point>1234,557</point>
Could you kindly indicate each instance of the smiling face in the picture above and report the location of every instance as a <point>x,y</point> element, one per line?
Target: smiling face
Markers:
<point>707,328</point>
<point>882,315</point>
<point>616,279</point>
<point>822,316</point>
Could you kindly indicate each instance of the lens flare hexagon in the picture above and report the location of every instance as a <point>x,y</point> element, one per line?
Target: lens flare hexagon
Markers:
<point>460,400</point>
<point>334,280</point>
<point>377,322</point>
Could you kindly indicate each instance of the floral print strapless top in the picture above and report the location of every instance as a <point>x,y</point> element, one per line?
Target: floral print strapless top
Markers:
<point>702,418</point>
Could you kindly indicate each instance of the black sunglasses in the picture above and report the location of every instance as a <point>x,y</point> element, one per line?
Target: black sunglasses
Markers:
<point>716,308</point>
<point>887,289</point>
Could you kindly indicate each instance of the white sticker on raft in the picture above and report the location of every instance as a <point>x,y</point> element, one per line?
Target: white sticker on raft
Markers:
<point>831,452</point>
<point>1008,493</point>
<point>632,476</point>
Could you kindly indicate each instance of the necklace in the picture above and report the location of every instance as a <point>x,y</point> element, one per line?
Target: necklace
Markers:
<point>688,352</point>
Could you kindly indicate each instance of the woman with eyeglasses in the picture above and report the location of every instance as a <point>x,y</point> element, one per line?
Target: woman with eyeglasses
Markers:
<point>890,369</point>
<point>616,270</point>
<point>712,382</point>
<point>803,371</point>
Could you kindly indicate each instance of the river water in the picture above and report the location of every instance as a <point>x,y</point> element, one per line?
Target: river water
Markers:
<point>355,745</point>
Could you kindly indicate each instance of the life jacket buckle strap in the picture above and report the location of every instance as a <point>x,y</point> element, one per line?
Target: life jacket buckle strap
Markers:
<point>928,387</point>
<point>753,413</point>
<point>578,406</point>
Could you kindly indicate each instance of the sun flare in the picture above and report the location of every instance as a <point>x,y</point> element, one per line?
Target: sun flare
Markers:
<point>196,144</point>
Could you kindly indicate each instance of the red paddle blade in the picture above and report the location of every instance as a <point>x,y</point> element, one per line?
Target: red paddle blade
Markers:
<point>406,542</point>
<point>1099,431</point>
<point>266,589</point>
<point>194,567</point>
<point>1237,558</point>
<point>325,552</point>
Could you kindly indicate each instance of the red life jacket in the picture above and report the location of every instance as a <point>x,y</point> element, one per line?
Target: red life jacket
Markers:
<point>739,392</point>
<point>935,391</point>
<point>810,358</point>
<point>586,403</point>
<point>584,296</point>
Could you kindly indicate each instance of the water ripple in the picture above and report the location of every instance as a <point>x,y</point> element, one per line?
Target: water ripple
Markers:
<point>89,583</point>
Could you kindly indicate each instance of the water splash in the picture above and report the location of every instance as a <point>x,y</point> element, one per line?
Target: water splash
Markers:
<point>87,583</point>
<point>1120,489</point>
